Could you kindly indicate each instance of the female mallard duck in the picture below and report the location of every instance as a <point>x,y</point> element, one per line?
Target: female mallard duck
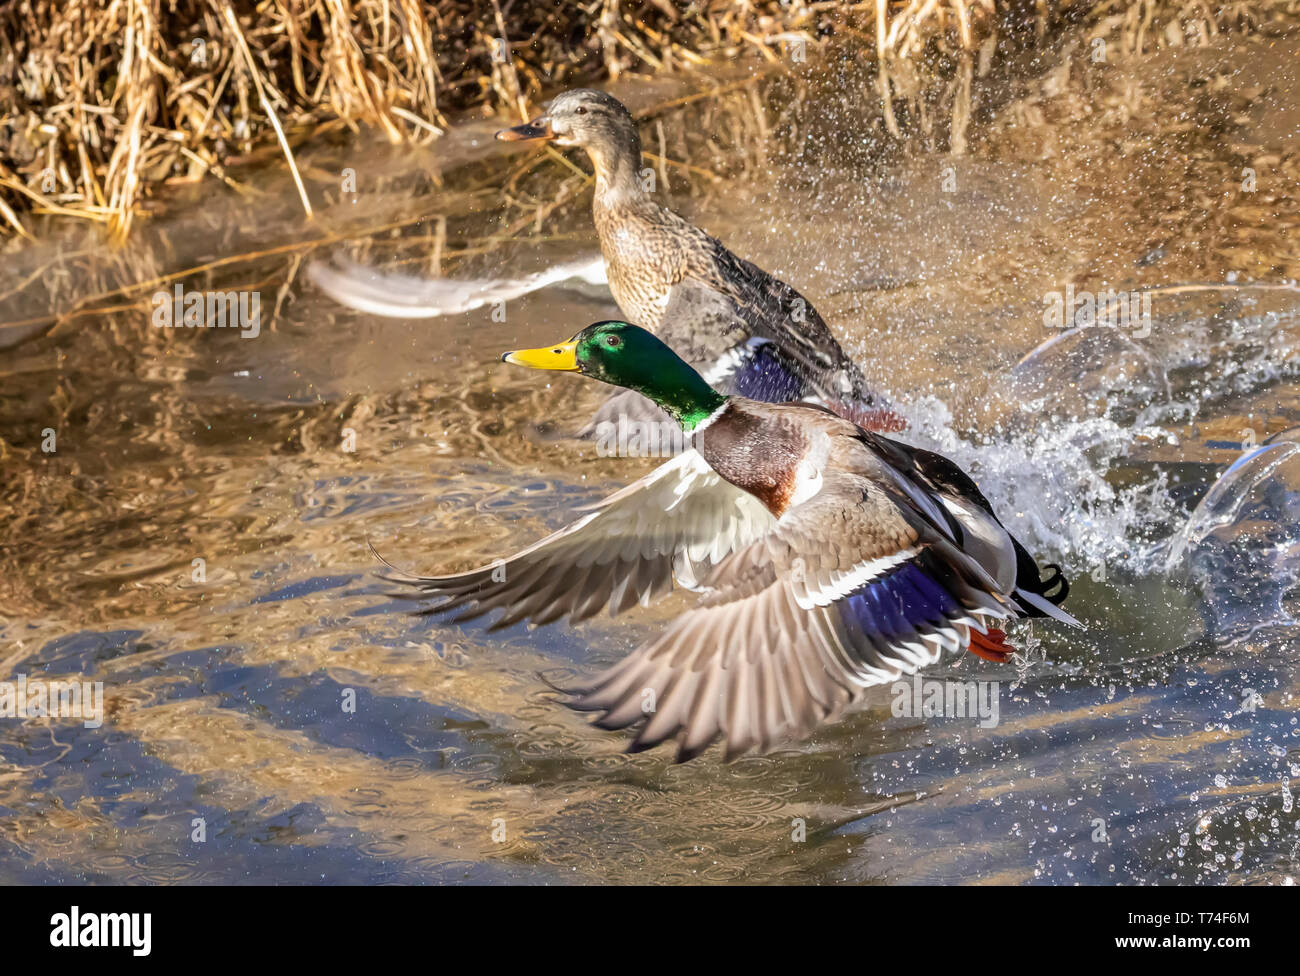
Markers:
<point>830,559</point>
<point>746,331</point>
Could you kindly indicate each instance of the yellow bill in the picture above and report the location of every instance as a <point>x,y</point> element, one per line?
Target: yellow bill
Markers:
<point>563,356</point>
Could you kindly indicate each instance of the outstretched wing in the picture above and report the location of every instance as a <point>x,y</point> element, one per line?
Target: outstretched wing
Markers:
<point>677,522</point>
<point>853,588</point>
<point>403,296</point>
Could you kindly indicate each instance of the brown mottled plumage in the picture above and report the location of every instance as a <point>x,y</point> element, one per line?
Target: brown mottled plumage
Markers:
<point>672,278</point>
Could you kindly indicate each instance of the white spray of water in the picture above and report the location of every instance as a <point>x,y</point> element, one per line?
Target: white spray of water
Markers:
<point>1049,485</point>
<point>1049,480</point>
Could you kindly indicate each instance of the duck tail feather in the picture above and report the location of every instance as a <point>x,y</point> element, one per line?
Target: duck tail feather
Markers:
<point>1053,587</point>
<point>1045,607</point>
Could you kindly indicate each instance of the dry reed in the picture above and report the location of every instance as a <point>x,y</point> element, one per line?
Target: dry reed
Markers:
<point>103,101</point>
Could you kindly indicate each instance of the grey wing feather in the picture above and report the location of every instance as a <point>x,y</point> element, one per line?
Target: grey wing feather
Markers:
<point>671,526</point>
<point>770,653</point>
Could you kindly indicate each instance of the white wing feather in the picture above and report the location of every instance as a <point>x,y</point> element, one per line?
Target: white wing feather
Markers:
<point>401,296</point>
<point>673,525</point>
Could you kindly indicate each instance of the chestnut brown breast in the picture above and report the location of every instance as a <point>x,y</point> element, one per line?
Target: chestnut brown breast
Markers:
<point>758,454</point>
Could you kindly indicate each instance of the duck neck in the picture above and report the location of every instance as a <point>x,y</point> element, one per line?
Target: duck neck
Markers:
<point>686,398</point>
<point>617,162</point>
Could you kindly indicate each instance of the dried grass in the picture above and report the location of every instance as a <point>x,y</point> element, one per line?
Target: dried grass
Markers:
<point>102,101</point>
<point>1142,26</point>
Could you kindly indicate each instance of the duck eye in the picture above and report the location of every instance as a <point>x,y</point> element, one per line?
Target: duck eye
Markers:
<point>582,110</point>
<point>613,341</point>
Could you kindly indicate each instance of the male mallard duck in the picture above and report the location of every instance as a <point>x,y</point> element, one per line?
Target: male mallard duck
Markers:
<point>829,559</point>
<point>745,330</point>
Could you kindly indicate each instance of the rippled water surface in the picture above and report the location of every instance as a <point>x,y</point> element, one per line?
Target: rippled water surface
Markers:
<point>1161,745</point>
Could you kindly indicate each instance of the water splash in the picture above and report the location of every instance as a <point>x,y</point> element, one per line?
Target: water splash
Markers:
<point>1091,399</point>
<point>1241,546</point>
<point>1050,484</point>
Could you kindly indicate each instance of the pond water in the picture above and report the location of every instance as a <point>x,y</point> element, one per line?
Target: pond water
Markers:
<point>198,538</point>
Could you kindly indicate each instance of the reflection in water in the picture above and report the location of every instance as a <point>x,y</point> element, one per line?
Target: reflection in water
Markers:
<point>198,541</point>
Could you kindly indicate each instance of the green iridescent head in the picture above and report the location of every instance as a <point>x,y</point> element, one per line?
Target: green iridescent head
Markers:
<point>628,356</point>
